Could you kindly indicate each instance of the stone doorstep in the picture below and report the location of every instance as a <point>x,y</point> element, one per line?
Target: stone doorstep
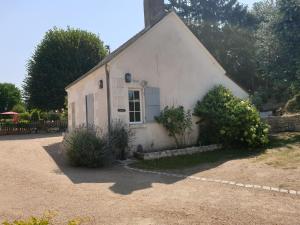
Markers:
<point>176,152</point>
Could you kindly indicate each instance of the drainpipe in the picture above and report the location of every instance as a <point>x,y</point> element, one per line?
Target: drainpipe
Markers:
<point>108,97</point>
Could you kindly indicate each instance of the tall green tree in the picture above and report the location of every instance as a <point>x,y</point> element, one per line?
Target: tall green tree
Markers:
<point>10,96</point>
<point>277,47</point>
<point>60,58</point>
<point>287,29</point>
<point>266,47</point>
<point>225,27</point>
<point>212,12</point>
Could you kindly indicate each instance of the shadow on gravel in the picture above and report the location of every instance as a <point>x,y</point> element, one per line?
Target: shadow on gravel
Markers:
<point>124,182</point>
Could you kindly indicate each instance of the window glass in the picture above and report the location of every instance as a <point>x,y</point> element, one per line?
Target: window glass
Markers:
<point>131,95</point>
<point>131,115</point>
<point>136,95</point>
<point>134,106</point>
<point>137,106</point>
<point>138,116</point>
<point>131,106</point>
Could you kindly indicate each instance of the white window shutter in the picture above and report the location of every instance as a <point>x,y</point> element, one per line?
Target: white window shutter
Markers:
<point>152,103</point>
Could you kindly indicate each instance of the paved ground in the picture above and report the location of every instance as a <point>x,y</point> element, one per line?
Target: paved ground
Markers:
<point>35,178</point>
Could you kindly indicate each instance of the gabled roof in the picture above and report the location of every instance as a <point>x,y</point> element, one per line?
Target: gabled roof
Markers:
<point>112,55</point>
<point>119,50</point>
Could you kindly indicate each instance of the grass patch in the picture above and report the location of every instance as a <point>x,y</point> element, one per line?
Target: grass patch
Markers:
<point>186,161</point>
<point>284,139</point>
<point>283,153</point>
<point>46,219</point>
<point>288,157</point>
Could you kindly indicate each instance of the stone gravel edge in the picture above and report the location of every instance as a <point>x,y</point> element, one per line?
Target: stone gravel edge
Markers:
<point>232,183</point>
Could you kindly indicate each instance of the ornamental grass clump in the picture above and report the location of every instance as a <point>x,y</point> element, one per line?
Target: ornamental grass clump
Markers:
<point>229,120</point>
<point>120,137</point>
<point>86,147</point>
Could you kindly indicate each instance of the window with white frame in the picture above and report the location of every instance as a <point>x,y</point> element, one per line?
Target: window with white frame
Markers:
<point>135,108</point>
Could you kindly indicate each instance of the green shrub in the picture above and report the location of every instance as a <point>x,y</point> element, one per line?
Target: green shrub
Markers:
<point>53,116</point>
<point>24,122</point>
<point>260,97</point>
<point>19,108</point>
<point>178,123</point>
<point>25,116</point>
<point>230,120</point>
<point>257,100</point>
<point>45,220</point>
<point>293,105</point>
<point>44,116</point>
<point>86,148</point>
<point>7,122</point>
<point>120,136</point>
<point>31,221</point>
<point>50,116</point>
<point>35,115</point>
<point>64,115</point>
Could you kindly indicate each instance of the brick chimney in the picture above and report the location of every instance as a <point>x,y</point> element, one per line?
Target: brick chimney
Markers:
<point>153,11</point>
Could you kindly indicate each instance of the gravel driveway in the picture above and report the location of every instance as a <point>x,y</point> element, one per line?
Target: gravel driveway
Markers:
<point>35,178</point>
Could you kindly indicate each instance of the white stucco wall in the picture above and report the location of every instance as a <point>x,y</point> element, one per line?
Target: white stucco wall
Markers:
<point>168,57</point>
<point>77,93</point>
<point>171,58</point>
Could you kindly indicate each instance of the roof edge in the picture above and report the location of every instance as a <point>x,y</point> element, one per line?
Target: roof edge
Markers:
<point>116,52</point>
<point>209,54</point>
<point>132,40</point>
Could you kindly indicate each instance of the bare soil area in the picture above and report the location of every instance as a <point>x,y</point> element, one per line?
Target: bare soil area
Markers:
<point>35,178</point>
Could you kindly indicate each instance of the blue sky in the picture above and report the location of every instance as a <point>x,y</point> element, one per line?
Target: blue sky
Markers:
<point>24,22</point>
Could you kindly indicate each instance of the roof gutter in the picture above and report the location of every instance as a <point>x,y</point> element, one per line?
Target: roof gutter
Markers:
<point>108,95</point>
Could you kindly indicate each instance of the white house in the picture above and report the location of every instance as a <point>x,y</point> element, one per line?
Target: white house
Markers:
<point>163,65</point>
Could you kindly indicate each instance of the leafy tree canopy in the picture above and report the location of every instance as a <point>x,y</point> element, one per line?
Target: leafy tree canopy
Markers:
<point>277,47</point>
<point>19,108</point>
<point>60,58</point>
<point>10,96</point>
<point>215,12</point>
<point>287,28</point>
<point>225,27</point>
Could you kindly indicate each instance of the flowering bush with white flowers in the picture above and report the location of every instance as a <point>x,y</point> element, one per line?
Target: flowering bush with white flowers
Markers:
<point>229,120</point>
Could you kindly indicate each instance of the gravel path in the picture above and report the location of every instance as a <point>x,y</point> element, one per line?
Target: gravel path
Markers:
<point>35,178</point>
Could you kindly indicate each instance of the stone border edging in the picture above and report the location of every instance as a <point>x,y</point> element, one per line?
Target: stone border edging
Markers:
<point>232,183</point>
<point>177,152</point>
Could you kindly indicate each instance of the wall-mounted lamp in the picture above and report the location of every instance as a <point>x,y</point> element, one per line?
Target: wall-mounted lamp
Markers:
<point>144,83</point>
<point>128,78</point>
<point>100,84</point>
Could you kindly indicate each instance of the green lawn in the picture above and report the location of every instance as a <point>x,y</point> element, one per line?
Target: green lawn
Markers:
<point>285,140</point>
<point>286,155</point>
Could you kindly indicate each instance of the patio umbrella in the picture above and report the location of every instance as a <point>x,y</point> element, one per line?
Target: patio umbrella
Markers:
<point>14,115</point>
<point>10,113</point>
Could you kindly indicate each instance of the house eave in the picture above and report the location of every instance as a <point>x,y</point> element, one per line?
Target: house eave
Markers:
<point>119,50</point>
